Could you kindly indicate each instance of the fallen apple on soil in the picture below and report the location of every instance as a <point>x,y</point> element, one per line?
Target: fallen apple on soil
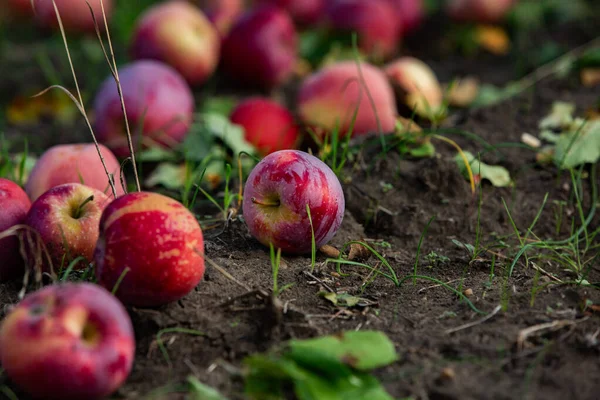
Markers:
<point>74,14</point>
<point>268,125</point>
<point>67,218</point>
<point>480,11</point>
<point>179,34</point>
<point>74,163</point>
<point>158,102</point>
<point>304,12</point>
<point>261,48</point>
<point>276,196</point>
<point>154,244</point>
<point>222,13</point>
<point>329,98</point>
<point>67,342</point>
<point>14,205</point>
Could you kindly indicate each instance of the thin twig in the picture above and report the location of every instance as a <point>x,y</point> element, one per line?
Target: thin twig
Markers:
<point>307,273</point>
<point>434,286</point>
<point>554,325</point>
<point>472,324</point>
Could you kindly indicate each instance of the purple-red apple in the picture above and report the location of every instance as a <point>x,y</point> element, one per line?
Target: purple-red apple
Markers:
<point>67,342</point>
<point>67,218</point>
<point>304,12</point>
<point>14,205</point>
<point>159,104</point>
<point>222,13</point>
<point>17,8</point>
<point>179,34</point>
<point>410,13</point>
<point>328,100</point>
<point>416,84</point>
<point>74,14</point>
<point>276,196</point>
<point>374,21</point>
<point>154,244</point>
<point>268,125</point>
<point>261,49</point>
<point>480,11</point>
<point>74,163</point>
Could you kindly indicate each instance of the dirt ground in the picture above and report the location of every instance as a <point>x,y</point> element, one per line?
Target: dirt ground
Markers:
<point>389,203</point>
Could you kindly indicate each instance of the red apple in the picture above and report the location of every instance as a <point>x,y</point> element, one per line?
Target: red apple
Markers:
<point>17,8</point>
<point>179,34</point>
<point>67,342</point>
<point>374,21</point>
<point>14,205</point>
<point>276,195</point>
<point>158,241</point>
<point>75,14</point>
<point>74,163</point>
<point>267,125</point>
<point>67,218</point>
<point>261,48</point>
<point>304,12</point>
<point>416,84</point>
<point>158,101</point>
<point>329,98</point>
<point>222,13</point>
<point>481,11</point>
<point>410,13</point>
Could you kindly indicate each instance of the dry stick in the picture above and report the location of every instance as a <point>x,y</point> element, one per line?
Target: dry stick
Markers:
<point>554,325</point>
<point>434,286</point>
<point>326,286</point>
<point>472,324</point>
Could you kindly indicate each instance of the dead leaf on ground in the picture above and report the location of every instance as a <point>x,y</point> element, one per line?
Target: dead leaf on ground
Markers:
<point>462,92</point>
<point>329,251</point>
<point>358,252</point>
<point>493,39</point>
<point>590,77</point>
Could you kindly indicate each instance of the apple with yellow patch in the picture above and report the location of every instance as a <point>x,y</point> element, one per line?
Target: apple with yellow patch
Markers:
<point>67,342</point>
<point>14,205</point>
<point>276,196</point>
<point>154,244</point>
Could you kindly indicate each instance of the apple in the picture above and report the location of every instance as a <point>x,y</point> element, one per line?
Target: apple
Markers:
<point>222,13</point>
<point>158,101</point>
<point>374,21</point>
<point>304,12</point>
<point>179,34</point>
<point>66,218</point>
<point>267,125</point>
<point>14,205</point>
<point>328,99</point>
<point>154,244</point>
<point>17,8</point>
<point>416,84</point>
<point>261,48</point>
<point>74,163</point>
<point>74,14</point>
<point>67,342</point>
<point>480,11</point>
<point>410,13</point>
<point>276,195</point>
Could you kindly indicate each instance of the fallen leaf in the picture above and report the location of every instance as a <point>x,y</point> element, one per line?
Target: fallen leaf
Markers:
<point>358,252</point>
<point>24,110</point>
<point>560,117</point>
<point>590,77</point>
<point>497,175</point>
<point>579,145</point>
<point>329,251</point>
<point>493,39</point>
<point>171,176</point>
<point>462,92</point>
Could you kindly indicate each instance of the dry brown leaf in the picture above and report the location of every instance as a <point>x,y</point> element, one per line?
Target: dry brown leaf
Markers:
<point>358,252</point>
<point>463,91</point>
<point>590,77</point>
<point>493,39</point>
<point>329,251</point>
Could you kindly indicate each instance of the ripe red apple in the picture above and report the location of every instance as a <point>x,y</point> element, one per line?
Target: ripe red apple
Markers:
<point>74,163</point>
<point>416,84</point>
<point>75,14</point>
<point>158,102</point>
<point>160,243</point>
<point>179,34</point>
<point>14,205</point>
<point>304,12</point>
<point>267,125</point>
<point>222,13</point>
<point>17,8</point>
<point>374,21</point>
<point>261,48</point>
<point>67,218</point>
<point>276,195</point>
<point>481,11</point>
<point>410,13</point>
<point>329,98</point>
<point>67,342</point>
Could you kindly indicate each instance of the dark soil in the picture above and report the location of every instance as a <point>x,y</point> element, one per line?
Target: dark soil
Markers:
<point>389,202</point>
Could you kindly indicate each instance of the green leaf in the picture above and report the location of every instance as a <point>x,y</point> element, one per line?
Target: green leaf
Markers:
<point>362,350</point>
<point>578,146</point>
<point>199,391</point>
<point>171,176</point>
<point>358,386</point>
<point>489,95</point>
<point>560,117</point>
<point>232,135</point>
<point>498,176</point>
<point>341,299</point>
<point>156,154</point>
<point>218,105</point>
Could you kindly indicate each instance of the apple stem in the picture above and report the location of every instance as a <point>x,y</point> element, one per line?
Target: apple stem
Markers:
<point>80,208</point>
<point>266,203</point>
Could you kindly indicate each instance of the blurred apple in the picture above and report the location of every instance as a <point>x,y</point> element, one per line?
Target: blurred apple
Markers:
<point>261,48</point>
<point>480,11</point>
<point>222,13</point>
<point>304,12</point>
<point>410,13</point>
<point>67,342</point>
<point>14,205</point>
<point>17,8</point>
<point>267,125</point>
<point>159,105</point>
<point>74,14</point>
<point>179,34</point>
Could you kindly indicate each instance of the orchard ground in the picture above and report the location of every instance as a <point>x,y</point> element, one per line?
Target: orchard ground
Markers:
<point>529,332</point>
